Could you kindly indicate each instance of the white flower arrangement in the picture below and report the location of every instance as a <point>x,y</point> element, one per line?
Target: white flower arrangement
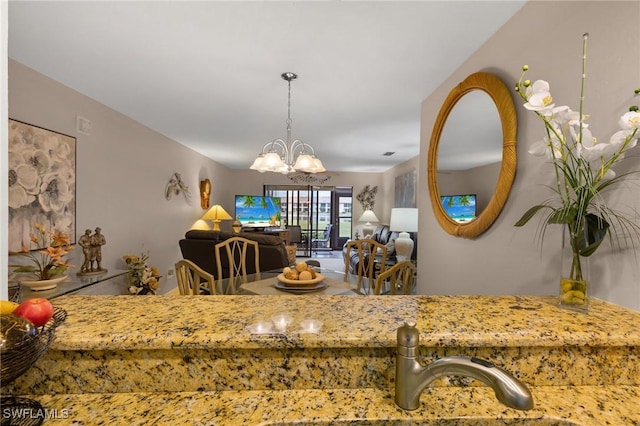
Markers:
<point>583,167</point>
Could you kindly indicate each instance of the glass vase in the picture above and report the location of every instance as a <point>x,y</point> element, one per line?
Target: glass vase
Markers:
<point>574,277</point>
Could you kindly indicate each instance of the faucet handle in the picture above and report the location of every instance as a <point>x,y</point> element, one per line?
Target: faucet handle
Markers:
<point>408,339</point>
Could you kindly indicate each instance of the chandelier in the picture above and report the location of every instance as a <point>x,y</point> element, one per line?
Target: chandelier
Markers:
<point>280,156</point>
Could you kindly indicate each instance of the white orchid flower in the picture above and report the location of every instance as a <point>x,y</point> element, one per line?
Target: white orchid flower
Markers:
<point>539,97</point>
<point>619,138</point>
<point>630,120</point>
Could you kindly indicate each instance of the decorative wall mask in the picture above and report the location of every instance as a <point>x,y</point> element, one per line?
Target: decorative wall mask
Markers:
<point>205,193</point>
<point>367,197</point>
<point>175,187</point>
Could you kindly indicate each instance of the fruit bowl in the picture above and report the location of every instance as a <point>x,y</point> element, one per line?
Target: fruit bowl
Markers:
<point>18,358</point>
<point>300,283</point>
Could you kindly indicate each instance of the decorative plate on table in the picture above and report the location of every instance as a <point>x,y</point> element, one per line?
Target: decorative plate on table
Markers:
<point>300,283</point>
<point>300,290</point>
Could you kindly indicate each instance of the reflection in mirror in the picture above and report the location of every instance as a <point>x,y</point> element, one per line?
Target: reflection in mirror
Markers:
<point>472,155</point>
<point>469,162</point>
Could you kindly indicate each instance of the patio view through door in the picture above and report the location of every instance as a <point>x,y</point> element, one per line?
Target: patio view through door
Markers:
<point>313,208</point>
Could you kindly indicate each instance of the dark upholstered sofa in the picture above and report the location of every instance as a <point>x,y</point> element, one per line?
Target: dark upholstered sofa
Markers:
<point>199,247</point>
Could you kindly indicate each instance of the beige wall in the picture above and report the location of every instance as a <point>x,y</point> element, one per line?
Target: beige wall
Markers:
<point>507,260</point>
<point>123,168</point>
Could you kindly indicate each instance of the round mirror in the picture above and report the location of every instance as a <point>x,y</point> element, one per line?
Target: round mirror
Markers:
<point>472,155</point>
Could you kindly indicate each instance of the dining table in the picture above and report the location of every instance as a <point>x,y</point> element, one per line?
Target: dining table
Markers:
<point>268,283</point>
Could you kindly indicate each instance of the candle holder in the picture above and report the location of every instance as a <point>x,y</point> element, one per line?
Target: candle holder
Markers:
<point>261,327</point>
<point>310,326</point>
<point>281,321</point>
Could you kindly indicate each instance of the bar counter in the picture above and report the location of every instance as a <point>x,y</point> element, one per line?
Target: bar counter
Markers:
<point>193,360</point>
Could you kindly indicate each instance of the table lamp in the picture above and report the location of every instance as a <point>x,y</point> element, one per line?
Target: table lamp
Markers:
<point>404,220</point>
<point>216,214</point>
<point>201,225</point>
<point>368,216</point>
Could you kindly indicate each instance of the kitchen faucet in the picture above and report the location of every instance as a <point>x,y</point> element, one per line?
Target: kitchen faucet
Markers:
<point>412,377</point>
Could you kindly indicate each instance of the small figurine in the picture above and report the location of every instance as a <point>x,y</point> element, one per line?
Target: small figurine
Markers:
<point>92,252</point>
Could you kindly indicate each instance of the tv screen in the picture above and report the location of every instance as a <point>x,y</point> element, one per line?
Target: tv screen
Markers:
<point>256,211</point>
<point>461,208</point>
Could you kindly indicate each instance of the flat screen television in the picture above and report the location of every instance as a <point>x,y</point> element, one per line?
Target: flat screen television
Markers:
<point>461,208</point>
<point>257,211</point>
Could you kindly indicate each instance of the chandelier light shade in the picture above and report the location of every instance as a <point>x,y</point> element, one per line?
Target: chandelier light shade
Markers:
<point>216,214</point>
<point>286,156</point>
<point>404,220</point>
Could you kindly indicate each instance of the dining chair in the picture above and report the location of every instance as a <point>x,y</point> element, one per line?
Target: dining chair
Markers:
<point>296,238</point>
<point>232,256</point>
<point>401,278</point>
<point>372,260</point>
<point>323,243</point>
<point>193,280</point>
<point>313,262</point>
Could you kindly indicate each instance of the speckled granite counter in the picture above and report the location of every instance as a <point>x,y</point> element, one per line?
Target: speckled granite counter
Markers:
<point>555,405</point>
<point>172,355</point>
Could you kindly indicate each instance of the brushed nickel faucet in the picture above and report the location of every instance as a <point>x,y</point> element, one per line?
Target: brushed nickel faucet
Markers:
<point>412,377</point>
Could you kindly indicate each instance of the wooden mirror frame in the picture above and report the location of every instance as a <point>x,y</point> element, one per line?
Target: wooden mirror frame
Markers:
<point>500,95</point>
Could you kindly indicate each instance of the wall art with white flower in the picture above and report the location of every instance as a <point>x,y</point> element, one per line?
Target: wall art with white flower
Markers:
<point>42,182</point>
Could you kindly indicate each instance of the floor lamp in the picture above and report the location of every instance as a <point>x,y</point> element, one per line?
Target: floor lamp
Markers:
<point>404,220</point>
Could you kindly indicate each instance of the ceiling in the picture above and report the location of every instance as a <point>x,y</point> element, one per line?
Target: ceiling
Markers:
<point>207,74</point>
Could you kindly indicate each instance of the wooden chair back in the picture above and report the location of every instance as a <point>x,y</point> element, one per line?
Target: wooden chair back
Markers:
<point>372,260</point>
<point>191,278</point>
<point>401,278</point>
<point>236,249</point>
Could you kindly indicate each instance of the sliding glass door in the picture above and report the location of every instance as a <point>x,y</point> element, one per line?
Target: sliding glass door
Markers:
<point>313,208</point>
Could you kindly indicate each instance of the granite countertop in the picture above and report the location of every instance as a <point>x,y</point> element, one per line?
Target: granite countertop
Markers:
<point>584,406</point>
<point>167,322</point>
<point>595,383</point>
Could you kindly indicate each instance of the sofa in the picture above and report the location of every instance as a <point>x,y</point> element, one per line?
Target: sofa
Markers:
<point>199,247</point>
<point>383,235</point>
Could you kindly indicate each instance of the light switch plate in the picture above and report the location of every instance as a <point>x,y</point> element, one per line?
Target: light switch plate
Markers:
<point>83,125</point>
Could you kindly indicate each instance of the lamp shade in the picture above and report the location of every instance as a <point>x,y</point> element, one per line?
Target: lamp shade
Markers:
<point>404,220</point>
<point>368,216</point>
<point>216,214</point>
<point>201,225</point>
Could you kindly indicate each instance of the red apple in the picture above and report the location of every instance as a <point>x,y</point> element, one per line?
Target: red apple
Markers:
<point>37,310</point>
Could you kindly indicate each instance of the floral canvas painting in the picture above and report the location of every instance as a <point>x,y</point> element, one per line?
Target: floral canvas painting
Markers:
<point>42,182</point>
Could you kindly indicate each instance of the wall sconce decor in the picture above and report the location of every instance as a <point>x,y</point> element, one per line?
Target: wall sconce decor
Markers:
<point>175,187</point>
<point>205,193</point>
<point>367,197</point>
